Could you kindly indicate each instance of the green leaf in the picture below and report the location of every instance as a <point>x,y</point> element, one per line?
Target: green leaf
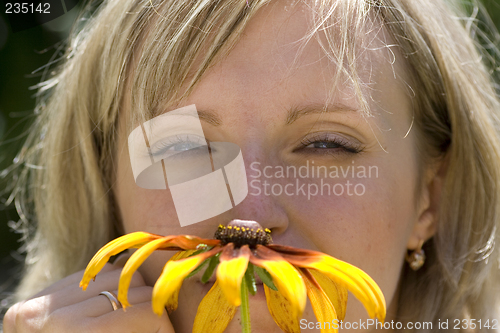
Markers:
<point>265,277</point>
<point>201,250</point>
<point>214,261</point>
<point>250,279</point>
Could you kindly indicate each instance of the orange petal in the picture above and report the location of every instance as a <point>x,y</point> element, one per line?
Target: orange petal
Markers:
<point>322,307</point>
<point>286,278</point>
<point>214,312</point>
<point>133,264</point>
<point>182,254</point>
<point>232,267</point>
<point>186,242</point>
<point>135,239</point>
<point>281,310</point>
<point>170,281</point>
<point>337,293</point>
<point>357,281</point>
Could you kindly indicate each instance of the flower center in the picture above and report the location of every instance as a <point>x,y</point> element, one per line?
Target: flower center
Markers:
<point>242,232</point>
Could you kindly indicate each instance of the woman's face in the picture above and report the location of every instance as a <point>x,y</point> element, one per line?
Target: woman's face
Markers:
<point>367,218</point>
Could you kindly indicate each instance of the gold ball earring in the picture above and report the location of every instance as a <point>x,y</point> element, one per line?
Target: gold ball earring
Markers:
<point>417,258</point>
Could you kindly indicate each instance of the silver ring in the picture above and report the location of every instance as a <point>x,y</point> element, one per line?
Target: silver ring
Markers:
<point>115,303</point>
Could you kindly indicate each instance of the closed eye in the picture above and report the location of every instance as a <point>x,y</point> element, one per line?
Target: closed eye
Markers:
<point>322,143</point>
<point>178,144</point>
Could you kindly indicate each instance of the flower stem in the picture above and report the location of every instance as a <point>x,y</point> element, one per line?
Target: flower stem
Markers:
<point>244,308</point>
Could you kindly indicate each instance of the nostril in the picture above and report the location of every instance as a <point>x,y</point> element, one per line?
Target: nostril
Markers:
<point>242,232</point>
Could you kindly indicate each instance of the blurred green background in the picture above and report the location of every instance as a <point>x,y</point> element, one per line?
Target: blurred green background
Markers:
<point>22,56</point>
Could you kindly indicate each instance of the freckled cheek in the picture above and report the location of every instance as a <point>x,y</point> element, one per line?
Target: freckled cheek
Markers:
<point>375,226</point>
<point>368,230</point>
<point>149,210</point>
<point>351,218</point>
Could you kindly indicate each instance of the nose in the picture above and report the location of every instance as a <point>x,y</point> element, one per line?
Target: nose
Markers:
<point>259,205</point>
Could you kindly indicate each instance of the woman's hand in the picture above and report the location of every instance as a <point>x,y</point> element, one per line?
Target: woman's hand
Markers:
<point>64,307</point>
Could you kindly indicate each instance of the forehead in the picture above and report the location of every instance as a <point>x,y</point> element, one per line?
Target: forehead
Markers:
<point>279,56</point>
<point>278,59</point>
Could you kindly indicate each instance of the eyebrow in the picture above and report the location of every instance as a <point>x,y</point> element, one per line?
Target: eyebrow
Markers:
<point>298,111</point>
<point>210,117</point>
<point>294,113</point>
<point>206,115</point>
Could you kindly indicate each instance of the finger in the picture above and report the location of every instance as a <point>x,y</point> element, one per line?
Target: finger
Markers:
<point>73,294</point>
<point>9,320</point>
<point>139,318</point>
<point>121,259</point>
<point>101,305</point>
<point>72,279</point>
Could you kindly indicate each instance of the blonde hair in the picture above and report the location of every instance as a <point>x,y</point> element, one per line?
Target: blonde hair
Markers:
<point>65,173</point>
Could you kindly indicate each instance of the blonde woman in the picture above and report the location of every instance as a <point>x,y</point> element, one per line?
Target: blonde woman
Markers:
<point>396,85</point>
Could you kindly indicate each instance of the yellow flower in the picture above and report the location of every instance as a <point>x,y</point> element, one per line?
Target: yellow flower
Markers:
<point>240,250</point>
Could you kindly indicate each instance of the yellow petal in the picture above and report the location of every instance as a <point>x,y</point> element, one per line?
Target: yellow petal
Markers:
<point>322,307</point>
<point>133,264</point>
<point>286,278</point>
<point>232,267</point>
<point>337,293</point>
<point>135,239</point>
<point>281,310</point>
<point>357,281</point>
<point>214,312</point>
<point>172,302</point>
<point>170,281</point>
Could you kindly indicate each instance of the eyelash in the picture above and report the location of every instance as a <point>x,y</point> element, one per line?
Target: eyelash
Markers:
<point>340,143</point>
<point>163,146</point>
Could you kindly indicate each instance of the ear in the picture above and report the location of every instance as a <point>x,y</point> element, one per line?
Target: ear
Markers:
<point>430,199</point>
